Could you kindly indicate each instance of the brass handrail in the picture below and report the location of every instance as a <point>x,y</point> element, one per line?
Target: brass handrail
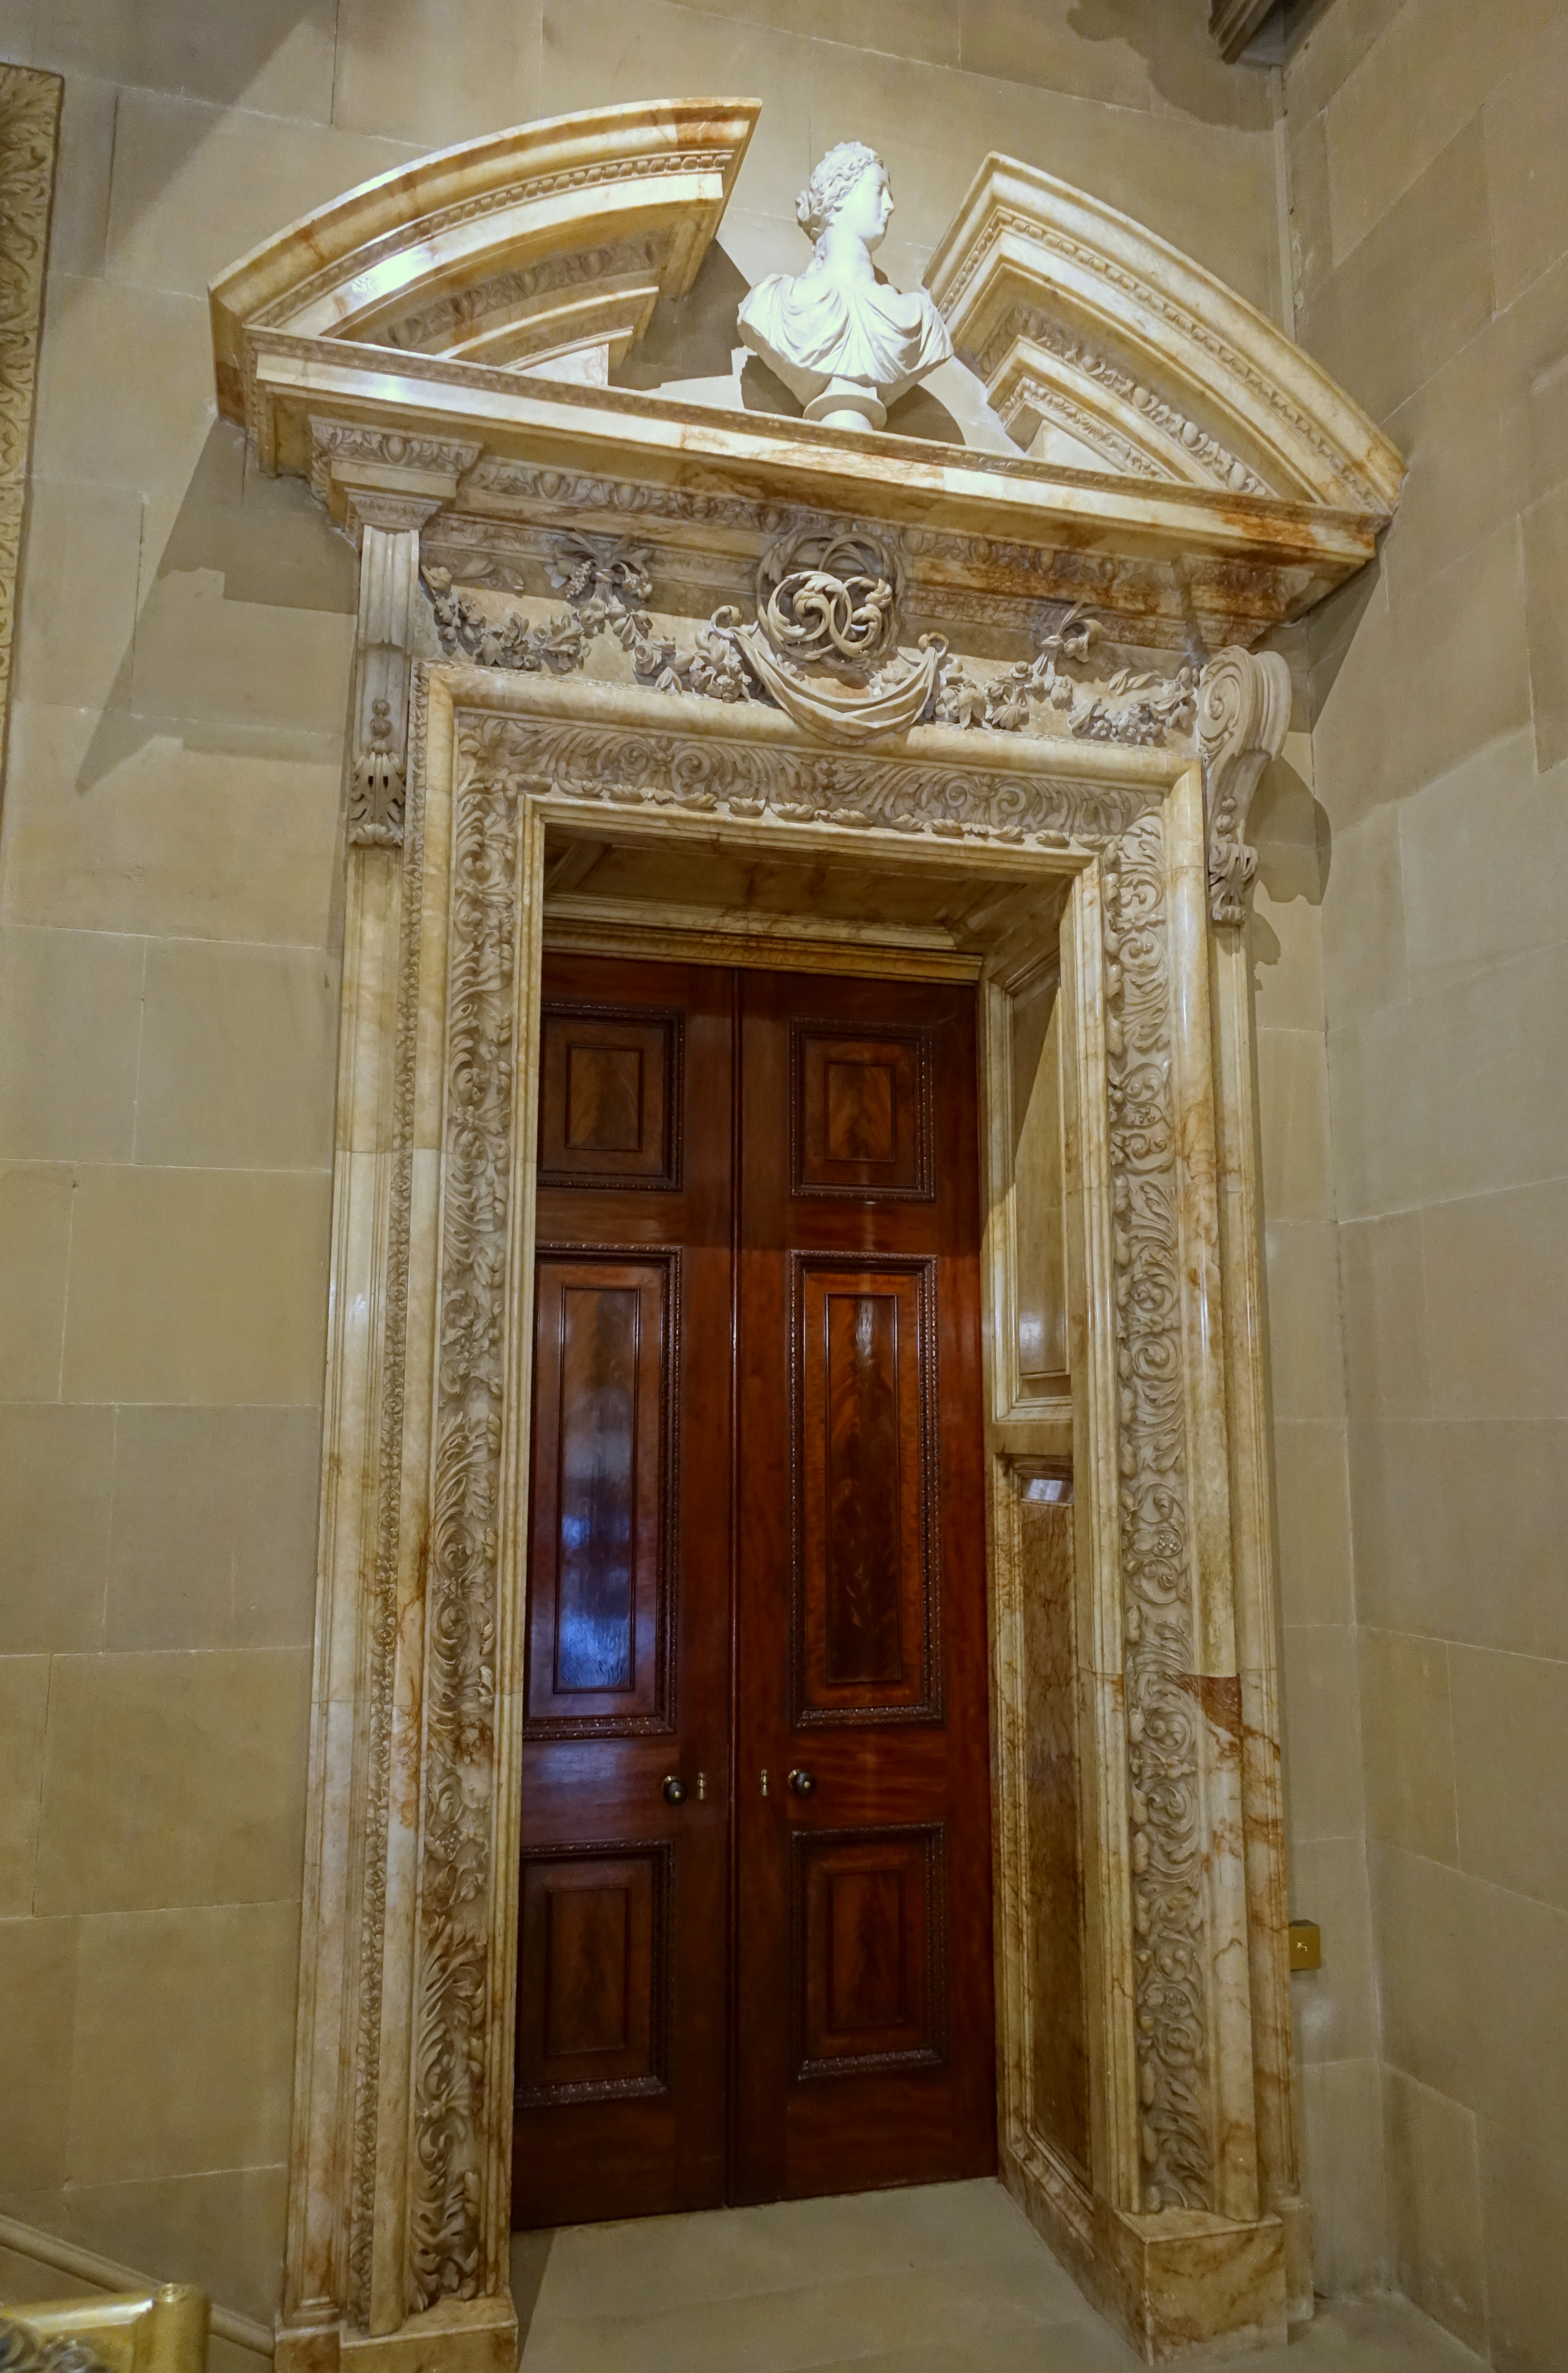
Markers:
<point>159,2331</point>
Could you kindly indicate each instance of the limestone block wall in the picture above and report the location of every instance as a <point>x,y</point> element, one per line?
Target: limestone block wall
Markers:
<point>1335,2006</point>
<point>1428,161</point>
<point>170,893</point>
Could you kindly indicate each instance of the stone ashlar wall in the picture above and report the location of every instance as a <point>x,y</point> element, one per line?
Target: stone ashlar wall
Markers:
<point>1428,166</point>
<point>170,902</point>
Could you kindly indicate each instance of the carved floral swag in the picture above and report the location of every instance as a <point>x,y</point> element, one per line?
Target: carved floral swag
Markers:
<point>814,617</point>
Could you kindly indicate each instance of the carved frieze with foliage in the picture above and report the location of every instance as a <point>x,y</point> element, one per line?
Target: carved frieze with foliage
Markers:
<point>823,647</point>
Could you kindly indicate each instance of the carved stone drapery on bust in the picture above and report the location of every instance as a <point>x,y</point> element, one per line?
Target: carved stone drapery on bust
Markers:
<point>838,337</point>
<point>1244,710</point>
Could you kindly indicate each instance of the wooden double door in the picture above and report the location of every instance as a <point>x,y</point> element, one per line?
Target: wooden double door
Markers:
<point>755,1908</point>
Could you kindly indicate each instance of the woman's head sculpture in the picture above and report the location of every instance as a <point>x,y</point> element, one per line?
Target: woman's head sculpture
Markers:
<point>840,339</point>
<point>836,182</point>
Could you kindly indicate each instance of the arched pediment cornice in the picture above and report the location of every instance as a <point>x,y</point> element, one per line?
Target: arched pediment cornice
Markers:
<point>438,349</point>
<point>1101,343</point>
<point>547,244</point>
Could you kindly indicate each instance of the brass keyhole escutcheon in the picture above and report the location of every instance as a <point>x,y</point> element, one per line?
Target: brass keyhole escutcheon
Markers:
<point>802,1783</point>
<point>674,1789</point>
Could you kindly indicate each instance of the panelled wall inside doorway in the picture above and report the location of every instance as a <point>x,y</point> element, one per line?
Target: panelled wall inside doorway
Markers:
<point>755,1915</point>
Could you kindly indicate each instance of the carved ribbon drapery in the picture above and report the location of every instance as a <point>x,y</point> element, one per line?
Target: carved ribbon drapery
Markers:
<point>823,647</point>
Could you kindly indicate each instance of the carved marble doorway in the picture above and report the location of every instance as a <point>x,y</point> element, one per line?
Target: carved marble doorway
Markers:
<point>583,715</point>
<point>527,826</point>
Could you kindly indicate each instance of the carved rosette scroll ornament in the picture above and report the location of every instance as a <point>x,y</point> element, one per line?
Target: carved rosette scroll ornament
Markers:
<point>1244,711</point>
<point>1164,1794</point>
<point>830,598</point>
<point>698,776</point>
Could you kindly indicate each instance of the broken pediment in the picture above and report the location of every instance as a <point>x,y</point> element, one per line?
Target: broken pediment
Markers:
<point>1102,347</point>
<point>436,350</point>
<point>546,247</point>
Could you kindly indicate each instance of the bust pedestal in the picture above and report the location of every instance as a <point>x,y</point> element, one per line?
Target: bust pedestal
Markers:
<point>847,403</point>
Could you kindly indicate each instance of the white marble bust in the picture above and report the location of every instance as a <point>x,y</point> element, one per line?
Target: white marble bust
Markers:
<point>839,338</point>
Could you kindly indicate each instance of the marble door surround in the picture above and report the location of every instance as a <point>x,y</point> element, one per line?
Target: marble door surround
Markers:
<point>619,653</point>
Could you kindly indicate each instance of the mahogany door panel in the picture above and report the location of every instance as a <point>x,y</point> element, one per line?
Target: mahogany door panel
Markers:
<point>610,1084</point>
<point>622,1993</point>
<point>864,1464</point>
<point>594,1983</point>
<point>869,1950</point>
<point>754,1946</point>
<point>860,1109</point>
<point>601,1572</point>
<point>863,2007</point>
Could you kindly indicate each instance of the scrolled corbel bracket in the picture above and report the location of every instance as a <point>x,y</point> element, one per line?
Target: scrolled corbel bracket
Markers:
<point>1244,711</point>
<point>382,489</point>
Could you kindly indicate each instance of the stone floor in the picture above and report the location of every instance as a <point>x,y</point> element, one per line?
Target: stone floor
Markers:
<point>945,2279</point>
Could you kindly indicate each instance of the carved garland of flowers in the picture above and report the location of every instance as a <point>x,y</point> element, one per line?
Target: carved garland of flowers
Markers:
<point>608,582</point>
<point>1164,1795</point>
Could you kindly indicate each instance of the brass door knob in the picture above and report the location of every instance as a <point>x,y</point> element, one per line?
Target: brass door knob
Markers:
<point>802,1783</point>
<point>674,1789</point>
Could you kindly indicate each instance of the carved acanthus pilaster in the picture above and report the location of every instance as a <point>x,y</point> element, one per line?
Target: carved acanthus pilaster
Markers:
<point>1244,709</point>
<point>389,579</point>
